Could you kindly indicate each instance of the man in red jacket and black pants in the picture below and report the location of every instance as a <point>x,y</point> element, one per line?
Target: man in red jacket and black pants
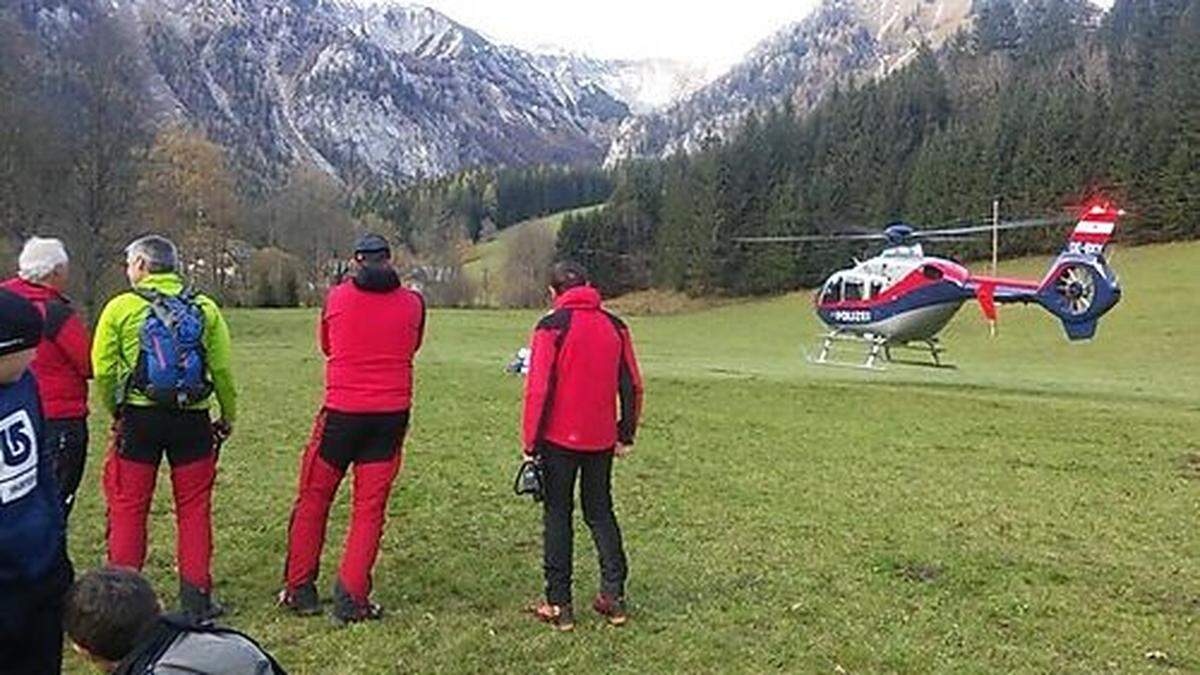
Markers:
<point>582,361</point>
<point>371,328</point>
<point>63,363</point>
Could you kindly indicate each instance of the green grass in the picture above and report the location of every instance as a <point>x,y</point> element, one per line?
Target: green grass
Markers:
<point>1034,510</point>
<point>485,262</point>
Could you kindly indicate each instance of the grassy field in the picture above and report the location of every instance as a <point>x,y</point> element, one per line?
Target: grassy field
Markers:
<point>486,260</point>
<point>1033,511</point>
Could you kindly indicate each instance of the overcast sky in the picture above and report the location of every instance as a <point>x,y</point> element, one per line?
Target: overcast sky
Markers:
<point>712,34</point>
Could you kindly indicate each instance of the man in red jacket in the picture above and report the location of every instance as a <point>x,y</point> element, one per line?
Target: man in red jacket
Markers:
<point>371,328</point>
<point>582,362</point>
<point>63,364</point>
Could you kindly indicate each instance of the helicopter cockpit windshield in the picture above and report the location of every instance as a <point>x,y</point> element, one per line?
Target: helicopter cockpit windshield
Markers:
<point>852,287</point>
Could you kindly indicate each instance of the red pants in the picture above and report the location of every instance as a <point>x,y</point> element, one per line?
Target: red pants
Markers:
<point>131,467</point>
<point>372,443</point>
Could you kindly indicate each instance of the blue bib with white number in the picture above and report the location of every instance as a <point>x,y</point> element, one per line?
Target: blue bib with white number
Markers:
<point>31,519</point>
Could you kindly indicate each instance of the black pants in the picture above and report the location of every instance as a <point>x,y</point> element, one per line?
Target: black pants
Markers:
<point>184,436</point>
<point>68,441</point>
<point>559,468</point>
<point>31,625</point>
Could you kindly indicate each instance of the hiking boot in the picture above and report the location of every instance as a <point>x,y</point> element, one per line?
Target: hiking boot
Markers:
<point>301,601</point>
<point>198,605</point>
<point>348,610</point>
<point>612,608</point>
<point>560,617</point>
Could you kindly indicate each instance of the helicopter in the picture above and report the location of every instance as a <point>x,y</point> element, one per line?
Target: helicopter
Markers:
<point>902,298</point>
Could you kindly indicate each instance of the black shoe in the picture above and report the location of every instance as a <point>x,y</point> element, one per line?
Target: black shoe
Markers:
<point>302,600</point>
<point>198,605</point>
<point>347,610</point>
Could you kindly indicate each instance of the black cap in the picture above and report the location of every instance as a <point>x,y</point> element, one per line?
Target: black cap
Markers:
<point>371,243</point>
<point>20,324</point>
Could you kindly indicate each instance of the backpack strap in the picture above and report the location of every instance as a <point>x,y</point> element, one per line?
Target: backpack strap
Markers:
<point>182,624</point>
<point>151,646</point>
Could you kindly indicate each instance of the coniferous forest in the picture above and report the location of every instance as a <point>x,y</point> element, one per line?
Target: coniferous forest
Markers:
<point>1041,104</point>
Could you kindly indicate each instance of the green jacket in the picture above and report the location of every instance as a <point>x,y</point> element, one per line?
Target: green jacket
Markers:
<point>115,347</point>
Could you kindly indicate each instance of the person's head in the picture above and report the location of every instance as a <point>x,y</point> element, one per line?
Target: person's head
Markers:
<point>567,275</point>
<point>20,333</point>
<point>372,250</point>
<point>108,610</point>
<point>152,254</point>
<point>45,262</point>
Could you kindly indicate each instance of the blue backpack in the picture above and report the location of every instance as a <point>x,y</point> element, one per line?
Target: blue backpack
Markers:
<point>171,369</point>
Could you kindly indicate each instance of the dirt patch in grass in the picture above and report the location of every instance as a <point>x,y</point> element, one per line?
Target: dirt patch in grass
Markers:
<point>1190,466</point>
<point>924,573</point>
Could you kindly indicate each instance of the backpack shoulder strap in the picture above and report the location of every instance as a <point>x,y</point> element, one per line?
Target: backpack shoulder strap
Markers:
<point>58,312</point>
<point>184,625</point>
<point>150,649</point>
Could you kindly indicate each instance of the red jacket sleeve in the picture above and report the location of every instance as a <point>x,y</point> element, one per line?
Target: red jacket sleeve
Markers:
<point>630,389</point>
<point>75,342</point>
<point>323,326</point>
<point>544,352</point>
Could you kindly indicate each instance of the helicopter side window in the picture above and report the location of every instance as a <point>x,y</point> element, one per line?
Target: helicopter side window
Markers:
<point>852,290</point>
<point>832,292</point>
<point>876,288</point>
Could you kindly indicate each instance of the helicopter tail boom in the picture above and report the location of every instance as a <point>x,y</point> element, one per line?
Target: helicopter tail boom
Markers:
<point>1078,288</point>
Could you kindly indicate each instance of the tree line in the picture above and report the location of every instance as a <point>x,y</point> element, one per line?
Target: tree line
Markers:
<point>1040,104</point>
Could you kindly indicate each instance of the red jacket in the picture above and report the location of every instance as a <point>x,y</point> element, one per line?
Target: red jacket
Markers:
<point>582,361</point>
<point>371,329</point>
<point>63,363</point>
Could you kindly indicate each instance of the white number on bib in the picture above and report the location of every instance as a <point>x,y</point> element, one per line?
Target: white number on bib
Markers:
<point>18,457</point>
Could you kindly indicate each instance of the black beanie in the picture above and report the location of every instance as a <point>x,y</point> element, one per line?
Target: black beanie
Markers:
<point>20,323</point>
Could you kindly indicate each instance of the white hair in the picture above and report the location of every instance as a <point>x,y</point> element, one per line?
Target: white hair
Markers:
<point>40,257</point>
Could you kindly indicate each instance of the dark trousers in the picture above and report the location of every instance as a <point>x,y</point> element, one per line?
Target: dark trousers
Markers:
<point>31,638</point>
<point>559,468</point>
<point>68,441</point>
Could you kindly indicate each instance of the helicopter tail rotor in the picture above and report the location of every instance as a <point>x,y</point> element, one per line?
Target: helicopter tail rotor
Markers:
<point>1080,286</point>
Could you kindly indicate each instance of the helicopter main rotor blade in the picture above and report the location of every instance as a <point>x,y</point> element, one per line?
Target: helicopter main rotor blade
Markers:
<point>976,229</point>
<point>807,238</point>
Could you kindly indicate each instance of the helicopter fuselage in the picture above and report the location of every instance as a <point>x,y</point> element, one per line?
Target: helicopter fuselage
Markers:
<point>901,295</point>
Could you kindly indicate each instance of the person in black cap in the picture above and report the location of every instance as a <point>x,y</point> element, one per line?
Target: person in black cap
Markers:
<point>34,570</point>
<point>371,328</point>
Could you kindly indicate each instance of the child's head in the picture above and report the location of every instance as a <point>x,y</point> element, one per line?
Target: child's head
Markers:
<point>20,333</point>
<point>109,610</point>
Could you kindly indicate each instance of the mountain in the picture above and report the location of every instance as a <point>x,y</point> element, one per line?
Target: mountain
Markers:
<point>365,91</point>
<point>643,85</point>
<point>840,41</point>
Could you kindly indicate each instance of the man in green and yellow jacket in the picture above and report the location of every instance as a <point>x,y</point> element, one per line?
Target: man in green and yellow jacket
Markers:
<point>148,423</point>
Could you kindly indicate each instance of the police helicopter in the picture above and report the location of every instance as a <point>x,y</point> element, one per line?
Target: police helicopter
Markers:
<point>902,298</point>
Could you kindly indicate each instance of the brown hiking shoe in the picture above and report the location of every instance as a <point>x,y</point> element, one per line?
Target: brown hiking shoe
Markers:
<point>612,608</point>
<point>560,617</point>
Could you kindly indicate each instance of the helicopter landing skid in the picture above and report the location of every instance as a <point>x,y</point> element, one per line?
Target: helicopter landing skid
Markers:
<point>878,351</point>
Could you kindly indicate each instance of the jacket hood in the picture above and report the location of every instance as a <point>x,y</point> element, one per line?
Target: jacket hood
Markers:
<point>580,297</point>
<point>377,279</point>
<point>32,291</point>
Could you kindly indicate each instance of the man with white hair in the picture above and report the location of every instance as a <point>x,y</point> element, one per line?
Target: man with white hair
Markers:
<point>63,365</point>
